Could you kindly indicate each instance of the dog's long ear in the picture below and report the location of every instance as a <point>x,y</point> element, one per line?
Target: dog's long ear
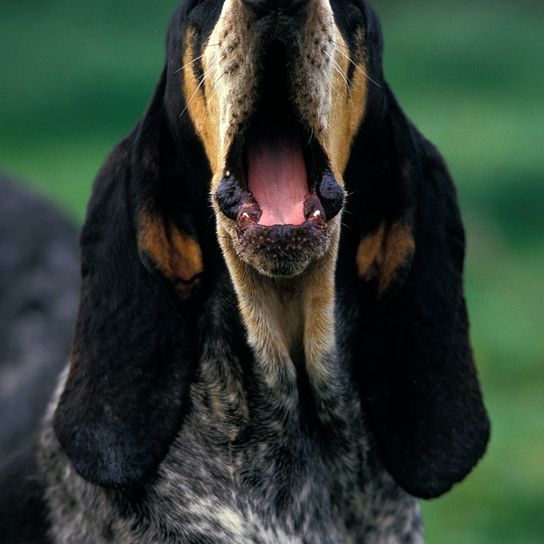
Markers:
<point>419,384</point>
<point>133,352</point>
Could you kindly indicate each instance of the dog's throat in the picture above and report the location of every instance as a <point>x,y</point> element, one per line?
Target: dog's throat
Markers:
<point>276,173</point>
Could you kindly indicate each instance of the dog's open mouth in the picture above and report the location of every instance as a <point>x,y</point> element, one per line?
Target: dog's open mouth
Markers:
<point>278,185</point>
<point>277,175</point>
<point>275,178</point>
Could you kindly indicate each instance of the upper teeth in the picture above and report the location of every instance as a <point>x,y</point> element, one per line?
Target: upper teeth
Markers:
<point>245,215</point>
<point>316,214</point>
<point>227,173</point>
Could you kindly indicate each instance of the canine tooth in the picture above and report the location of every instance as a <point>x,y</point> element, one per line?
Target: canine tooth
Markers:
<point>245,215</point>
<point>316,214</point>
<point>227,173</point>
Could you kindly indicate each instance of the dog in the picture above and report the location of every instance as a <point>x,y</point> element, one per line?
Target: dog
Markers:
<point>39,286</point>
<point>272,342</point>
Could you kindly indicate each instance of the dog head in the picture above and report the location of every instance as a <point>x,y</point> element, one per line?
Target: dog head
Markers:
<point>276,112</point>
<point>276,91</point>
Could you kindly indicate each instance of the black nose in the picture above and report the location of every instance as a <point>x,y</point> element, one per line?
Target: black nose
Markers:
<point>263,7</point>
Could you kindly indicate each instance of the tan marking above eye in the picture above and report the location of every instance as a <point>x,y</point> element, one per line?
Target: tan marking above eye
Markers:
<point>381,254</point>
<point>369,254</point>
<point>176,254</point>
<point>186,257</point>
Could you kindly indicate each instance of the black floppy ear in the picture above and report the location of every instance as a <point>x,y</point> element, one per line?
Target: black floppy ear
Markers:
<point>133,353</point>
<point>417,375</point>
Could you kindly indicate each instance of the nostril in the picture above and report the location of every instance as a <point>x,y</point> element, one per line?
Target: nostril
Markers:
<point>262,7</point>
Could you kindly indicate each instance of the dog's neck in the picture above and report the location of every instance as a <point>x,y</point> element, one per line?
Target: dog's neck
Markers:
<point>290,322</point>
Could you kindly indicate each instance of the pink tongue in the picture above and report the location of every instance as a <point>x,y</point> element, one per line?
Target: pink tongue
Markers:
<point>277,177</point>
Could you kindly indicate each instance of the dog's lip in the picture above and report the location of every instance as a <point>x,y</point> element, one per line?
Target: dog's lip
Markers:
<point>238,204</point>
<point>250,214</point>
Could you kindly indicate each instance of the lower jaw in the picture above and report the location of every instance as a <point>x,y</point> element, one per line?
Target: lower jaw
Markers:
<point>282,251</point>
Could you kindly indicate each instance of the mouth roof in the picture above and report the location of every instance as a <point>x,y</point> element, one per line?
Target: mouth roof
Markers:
<point>276,172</point>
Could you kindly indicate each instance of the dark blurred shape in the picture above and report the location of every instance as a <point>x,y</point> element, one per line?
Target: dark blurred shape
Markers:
<point>39,284</point>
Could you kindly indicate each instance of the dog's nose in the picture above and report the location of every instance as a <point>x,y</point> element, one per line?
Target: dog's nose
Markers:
<point>263,7</point>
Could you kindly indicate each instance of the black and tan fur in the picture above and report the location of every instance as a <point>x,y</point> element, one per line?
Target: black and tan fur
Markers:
<point>234,384</point>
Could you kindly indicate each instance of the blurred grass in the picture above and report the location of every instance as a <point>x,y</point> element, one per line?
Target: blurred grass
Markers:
<point>76,77</point>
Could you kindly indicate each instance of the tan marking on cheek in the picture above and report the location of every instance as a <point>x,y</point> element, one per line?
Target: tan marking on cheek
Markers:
<point>349,106</point>
<point>381,254</point>
<point>176,254</point>
<point>226,98</point>
<point>202,109</point>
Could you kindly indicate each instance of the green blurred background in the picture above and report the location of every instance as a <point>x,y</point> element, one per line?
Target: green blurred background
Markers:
<point>75,77</point>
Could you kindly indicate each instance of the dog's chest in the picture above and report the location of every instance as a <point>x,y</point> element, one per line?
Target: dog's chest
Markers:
<point>249,468</point>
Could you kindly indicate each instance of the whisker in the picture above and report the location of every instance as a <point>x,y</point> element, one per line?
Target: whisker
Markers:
<point>340,45</point>
<point>337,68</point>
<point>217,81</point>
<point>330,81</point>
<point>197,58</point>
<point>202,80</point>
<point>357,66</point>
<point>188,64</point>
